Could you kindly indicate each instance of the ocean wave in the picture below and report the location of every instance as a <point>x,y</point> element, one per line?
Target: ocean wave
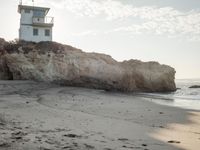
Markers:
<point>184,97</point>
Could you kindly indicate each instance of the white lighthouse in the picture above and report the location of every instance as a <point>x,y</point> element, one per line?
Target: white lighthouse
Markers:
<point>35,26</point>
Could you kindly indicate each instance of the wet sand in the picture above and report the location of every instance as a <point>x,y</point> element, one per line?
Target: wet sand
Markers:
<point>40,116</point>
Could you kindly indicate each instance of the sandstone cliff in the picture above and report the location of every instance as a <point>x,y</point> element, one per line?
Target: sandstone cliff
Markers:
<point>63,64</point>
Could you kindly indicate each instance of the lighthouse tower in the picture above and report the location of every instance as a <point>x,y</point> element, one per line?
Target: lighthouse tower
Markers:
<point>35,26</point>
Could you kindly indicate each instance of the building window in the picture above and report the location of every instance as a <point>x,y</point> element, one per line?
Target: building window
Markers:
<point>35,32</point>
<point>27,11</point>
<point>47,32</point>
<point>38,13</point>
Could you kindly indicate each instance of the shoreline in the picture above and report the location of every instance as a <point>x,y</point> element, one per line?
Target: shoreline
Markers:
<point>44,116</point>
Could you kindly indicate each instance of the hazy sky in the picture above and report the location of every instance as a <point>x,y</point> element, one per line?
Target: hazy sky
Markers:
<point>167,31</point>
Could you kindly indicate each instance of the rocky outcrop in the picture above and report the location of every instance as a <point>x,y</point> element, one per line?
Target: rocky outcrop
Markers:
<point>63,64</point>
<point>194,86</point>
<point>4,71</point>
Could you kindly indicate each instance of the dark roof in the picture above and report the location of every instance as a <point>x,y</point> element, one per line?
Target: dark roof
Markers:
<point>20,7</point>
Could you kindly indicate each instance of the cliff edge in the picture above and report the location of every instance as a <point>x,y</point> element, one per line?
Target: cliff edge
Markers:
<point>66,65</point>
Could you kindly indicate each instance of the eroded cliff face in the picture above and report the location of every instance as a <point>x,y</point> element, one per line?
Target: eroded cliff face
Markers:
<point>63,64</point>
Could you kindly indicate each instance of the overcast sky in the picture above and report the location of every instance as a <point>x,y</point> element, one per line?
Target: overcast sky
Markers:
<point>167,31</point>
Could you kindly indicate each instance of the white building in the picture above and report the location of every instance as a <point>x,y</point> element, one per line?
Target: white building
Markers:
<point>34,24</point>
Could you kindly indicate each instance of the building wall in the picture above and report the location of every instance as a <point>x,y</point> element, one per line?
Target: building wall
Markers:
<point>26,28</point>
<point>26,18</point>
<point>26,33</point>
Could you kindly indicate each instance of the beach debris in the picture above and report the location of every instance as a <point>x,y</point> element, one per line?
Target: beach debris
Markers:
<point>2,124</point>
<point>18,135</point>
<point>4,144</point>
<point>123,139</point>
<point>174,141</point>
<point>144,145</point>
<point>44,148</point>
<point>107,149</point>
<point>124,146</point>
<point>89,146</point>
<point>72,135</point>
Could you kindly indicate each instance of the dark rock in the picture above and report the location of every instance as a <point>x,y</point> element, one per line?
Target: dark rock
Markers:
<point>195,86</point>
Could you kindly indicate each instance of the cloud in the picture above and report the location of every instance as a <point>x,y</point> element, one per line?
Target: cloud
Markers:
<point>151,19</point>
<point>186,24</point>
<point>111,8</point>
<point>85,33</point>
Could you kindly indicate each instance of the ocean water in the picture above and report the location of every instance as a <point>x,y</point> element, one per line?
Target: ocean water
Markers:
<point>184,97</point>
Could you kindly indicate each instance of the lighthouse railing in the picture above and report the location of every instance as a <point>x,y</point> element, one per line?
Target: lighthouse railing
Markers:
<point>43,20</point>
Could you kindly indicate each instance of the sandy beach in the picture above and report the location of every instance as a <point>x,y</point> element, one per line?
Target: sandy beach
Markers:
<point>40,116</point>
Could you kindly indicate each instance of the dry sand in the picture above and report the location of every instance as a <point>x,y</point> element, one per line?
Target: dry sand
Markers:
<point>38,116</point>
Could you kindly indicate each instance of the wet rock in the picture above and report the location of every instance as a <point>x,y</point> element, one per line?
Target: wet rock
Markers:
<point>195,86</point>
